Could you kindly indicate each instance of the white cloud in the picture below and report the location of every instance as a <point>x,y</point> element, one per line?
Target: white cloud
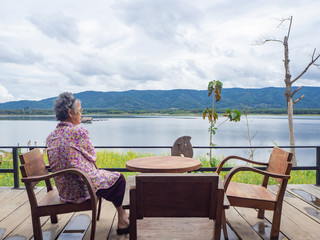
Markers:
<point>5,96</point>
<point>56,26</point>
<point>47,47</point>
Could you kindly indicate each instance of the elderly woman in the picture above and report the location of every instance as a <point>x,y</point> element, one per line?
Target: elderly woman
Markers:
<point>69,146</point>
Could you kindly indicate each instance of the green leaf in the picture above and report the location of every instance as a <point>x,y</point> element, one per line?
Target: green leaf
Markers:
<point>233,115</point>
<point>204,114</point>
<point>210,88</point>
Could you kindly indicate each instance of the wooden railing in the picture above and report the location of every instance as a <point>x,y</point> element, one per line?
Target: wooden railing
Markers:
<point>15,160</point>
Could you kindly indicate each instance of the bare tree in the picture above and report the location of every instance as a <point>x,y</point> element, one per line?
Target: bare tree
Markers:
<point>289,81</point>
<point>250,134</point>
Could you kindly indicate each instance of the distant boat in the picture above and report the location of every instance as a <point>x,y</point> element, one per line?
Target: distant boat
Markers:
<point>86,120</point>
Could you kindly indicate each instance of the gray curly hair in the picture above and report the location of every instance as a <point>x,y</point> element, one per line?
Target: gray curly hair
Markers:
<point>64,102</point>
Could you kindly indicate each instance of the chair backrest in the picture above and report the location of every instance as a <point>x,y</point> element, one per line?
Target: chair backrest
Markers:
<point>32,164</point>
<point>279,162</point>
<point>178,195</point>
<point>182,146</point>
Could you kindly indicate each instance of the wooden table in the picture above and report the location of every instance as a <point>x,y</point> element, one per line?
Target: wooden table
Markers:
<point>163,164</point>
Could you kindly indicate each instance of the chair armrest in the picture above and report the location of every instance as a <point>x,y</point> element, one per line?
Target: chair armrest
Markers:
<point>75,171</point>
<point>234,170</point>
<point>226,203</point>
<point>219,168</point>
<point>131,181</point>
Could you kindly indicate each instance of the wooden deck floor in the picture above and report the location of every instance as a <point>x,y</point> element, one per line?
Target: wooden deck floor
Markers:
<point>300,220</point>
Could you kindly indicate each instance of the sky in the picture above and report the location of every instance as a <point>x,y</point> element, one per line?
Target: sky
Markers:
<point>48,47</point>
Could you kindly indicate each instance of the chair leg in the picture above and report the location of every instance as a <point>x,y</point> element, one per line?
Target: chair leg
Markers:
<point>54,218</point>
<point>217,231</point>
<point>99,207</point>
<point>36,225</point>
<point>275,228</point>
<point>93,224</point>
<point>133,215</point>
<point>260,213</point>
<point>224,224</point>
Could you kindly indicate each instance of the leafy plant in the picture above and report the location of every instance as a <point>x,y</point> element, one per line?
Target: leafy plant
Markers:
<point>215,88</point>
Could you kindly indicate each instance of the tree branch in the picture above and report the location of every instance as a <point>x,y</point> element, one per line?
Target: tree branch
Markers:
<point>295,101</point>
<point>282,21</point>
<point>295,91</point>
<point>262,42</point>
<point>313,60</point>
<point>289,27</point>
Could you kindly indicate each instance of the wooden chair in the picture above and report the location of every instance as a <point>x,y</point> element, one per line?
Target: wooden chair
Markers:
<point>256,196</point>
<point>33,170</point>
<point>182,146</point>
<point>176,195</point>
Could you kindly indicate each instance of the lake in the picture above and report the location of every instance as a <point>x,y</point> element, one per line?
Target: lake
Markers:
<point>269,130</point>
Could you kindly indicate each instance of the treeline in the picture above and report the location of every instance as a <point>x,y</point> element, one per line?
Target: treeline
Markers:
<point>271,111</point>
<point>26,112</point>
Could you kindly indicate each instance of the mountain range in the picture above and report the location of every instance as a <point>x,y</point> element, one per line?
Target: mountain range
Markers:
<point>233,98</point>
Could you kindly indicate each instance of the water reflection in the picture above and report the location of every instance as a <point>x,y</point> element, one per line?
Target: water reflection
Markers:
<point>2,231</point>
<point>313,200</point>
<point>313,212</point>
<point>263,228</point>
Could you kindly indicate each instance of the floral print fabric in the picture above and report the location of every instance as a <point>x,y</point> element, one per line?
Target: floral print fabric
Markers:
<point>69,146</point>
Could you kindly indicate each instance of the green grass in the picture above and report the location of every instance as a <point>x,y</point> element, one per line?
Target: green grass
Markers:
<point>117,159</point>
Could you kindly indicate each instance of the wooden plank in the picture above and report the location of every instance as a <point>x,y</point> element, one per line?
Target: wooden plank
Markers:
<point>261,226</point>
<point>308,195</point>
<point>19,198</point>
<point>104,225</point>
<point>4,189</point>
<point>315,186</point>
<point>240,225</point>
<point>6,199</point>
<point>295,220</point>
<point>113,231</point>
<point>19,215</point>
<point>173,228</point>
<point>296,224</point>
<point>50,230</point>
<point>24,229</point>
<point>302,206</point>
<point>14,219</point>
<point>76,227</point>
<point>310,189</point>
<point>19,222</point>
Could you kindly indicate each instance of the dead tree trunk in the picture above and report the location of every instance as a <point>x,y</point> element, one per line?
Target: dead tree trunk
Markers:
<point>289,93</point>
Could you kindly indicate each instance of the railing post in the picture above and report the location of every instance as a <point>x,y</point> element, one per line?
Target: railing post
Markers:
<point>318,166</point>
<point>15,167</point>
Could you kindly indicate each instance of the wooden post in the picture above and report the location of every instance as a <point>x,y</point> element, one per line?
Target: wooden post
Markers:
<point>318,166</point>
<point>15,167</point>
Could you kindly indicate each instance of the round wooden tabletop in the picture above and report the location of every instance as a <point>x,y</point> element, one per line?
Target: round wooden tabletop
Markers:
<point>163,164</point>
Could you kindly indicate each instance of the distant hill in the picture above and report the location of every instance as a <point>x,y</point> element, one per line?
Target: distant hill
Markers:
<point>233,98</point>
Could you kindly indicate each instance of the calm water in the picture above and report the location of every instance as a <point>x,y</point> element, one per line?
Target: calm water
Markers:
<point>163,130</point>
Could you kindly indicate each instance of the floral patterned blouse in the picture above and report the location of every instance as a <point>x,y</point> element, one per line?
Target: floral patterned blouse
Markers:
<point>69,146</point>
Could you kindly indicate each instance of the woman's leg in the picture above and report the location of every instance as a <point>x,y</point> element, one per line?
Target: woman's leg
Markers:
<point>123,218</point>
<point>115,195</point>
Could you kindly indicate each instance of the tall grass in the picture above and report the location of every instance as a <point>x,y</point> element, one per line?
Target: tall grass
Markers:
<point>118,159</point>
